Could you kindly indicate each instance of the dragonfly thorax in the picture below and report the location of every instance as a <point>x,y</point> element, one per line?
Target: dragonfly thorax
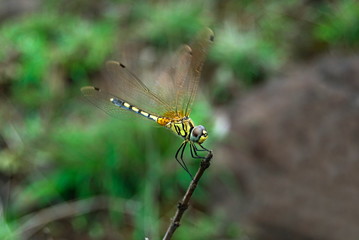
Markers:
<point>186,129</point>
<point>198,134</point>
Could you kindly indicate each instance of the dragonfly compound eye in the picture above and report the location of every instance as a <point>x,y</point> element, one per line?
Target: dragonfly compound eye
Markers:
<point>199,134</point>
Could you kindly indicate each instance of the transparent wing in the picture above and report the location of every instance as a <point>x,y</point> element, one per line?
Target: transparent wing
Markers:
<point>199,53</point>
<point>102,100</point>
<point>171,84</point>
<point>131,89</point>
<point>179,83</point>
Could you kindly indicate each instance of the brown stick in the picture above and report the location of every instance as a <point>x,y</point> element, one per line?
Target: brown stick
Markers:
<point>34,222</point>
<point>183,205</point>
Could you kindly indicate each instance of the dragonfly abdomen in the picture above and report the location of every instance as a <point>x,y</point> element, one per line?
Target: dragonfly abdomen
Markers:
<point>125,105</point>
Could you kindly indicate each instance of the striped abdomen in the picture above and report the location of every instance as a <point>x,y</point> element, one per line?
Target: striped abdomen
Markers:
<point>125,105</point>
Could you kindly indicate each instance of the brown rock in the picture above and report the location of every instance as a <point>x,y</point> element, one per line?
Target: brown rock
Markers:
<point>295,152</point>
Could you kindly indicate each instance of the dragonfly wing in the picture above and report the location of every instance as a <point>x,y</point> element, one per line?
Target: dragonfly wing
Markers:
<point>179,83</point>
<point>102,100</point>
<point>174,80</point>
<point>129,87</point>
<point>199,52</point>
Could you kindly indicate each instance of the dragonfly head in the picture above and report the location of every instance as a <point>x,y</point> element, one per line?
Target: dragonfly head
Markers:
<point>199,134</point>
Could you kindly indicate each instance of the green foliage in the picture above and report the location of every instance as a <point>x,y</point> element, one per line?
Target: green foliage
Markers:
<point>6,231</point>
<point>51,43</point>
<point>171,22</point>
<point>246,54</point>
<point>210,228</point>
<point>339,24</point>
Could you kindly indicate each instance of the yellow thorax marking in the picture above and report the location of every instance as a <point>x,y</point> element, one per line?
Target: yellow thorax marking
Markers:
<point>181,127</point>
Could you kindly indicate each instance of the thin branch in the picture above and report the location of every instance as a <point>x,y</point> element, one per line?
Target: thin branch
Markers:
<point>37,220</point>
<point>183,205</point>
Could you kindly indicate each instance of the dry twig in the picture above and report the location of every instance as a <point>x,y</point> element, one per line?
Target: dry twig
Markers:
<point>183,205</point>
<point>34,222</point>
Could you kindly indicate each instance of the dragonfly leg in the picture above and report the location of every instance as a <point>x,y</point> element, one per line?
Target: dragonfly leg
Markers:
<point>194,150</point>
<point>178,151</point>
<point>180,160</point>
<point>201,150</point>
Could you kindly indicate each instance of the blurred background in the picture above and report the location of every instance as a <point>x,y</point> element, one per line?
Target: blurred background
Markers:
<point>278,95</point>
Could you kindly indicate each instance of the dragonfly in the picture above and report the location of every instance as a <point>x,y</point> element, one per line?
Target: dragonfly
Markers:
<point>167,100</point>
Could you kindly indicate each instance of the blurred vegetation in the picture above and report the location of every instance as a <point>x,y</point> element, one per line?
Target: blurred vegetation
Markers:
<point>56,148</point>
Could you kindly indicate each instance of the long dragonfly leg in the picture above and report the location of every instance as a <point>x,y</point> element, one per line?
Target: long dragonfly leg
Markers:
<point>181,148</point>
<point>180,160</point>
<point>201,150</point>
<point>194,150</point>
